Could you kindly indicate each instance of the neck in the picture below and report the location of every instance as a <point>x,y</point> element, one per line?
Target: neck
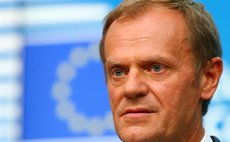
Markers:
<point>194,134</point>
<point>194,131</point>
<point>197,134</point>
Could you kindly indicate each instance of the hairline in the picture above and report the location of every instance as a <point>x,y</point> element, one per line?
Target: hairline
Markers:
<point>158,5</point>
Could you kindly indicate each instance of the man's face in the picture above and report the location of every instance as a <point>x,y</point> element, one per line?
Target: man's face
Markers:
<point>153,90</point>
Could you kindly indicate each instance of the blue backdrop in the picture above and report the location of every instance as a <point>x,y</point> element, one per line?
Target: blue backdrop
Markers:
<point>64,88</point>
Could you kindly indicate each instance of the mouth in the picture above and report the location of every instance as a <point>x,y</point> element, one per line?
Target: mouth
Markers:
<point>137,113</point>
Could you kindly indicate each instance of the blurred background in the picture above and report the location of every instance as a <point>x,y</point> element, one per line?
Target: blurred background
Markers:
<point>52,87</point>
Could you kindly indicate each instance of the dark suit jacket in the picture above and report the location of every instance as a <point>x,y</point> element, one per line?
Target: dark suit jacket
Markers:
<point>215,139</point>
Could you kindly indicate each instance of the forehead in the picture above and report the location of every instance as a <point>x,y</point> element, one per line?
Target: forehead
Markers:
<point>156,19</point>
<point>158,27</point>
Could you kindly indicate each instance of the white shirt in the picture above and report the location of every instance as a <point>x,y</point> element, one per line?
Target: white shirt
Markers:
<point>206,138</point>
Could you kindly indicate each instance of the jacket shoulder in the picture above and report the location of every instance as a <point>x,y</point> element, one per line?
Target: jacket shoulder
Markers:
<point>215,139</point>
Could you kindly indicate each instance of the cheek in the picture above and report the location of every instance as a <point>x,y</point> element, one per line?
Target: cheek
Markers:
<point>114,96</point>
<point>175,94</point>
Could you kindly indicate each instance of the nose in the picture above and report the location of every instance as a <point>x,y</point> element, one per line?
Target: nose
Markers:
<point>135,85</point>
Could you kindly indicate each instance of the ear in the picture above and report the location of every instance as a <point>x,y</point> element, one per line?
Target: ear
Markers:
<point>210,77</point>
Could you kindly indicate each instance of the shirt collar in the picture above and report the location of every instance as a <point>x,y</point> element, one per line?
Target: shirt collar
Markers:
<point>206,138</point>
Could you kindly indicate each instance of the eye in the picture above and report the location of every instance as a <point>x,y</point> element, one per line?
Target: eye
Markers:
<point>118,72</point>
<point>157,68</point>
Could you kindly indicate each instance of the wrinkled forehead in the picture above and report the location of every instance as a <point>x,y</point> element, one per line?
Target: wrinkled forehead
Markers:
<point>156,28</point>
<point>157,22</point>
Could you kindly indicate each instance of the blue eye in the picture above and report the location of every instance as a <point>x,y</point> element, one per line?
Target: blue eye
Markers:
<point>118,72</point>
<point>157,68</point>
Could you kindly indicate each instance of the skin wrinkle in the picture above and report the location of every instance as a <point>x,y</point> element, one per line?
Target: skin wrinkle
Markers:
<point>134,62</point>
<point>150,51</point>
<point>181,43</point>
<point>128,20</point>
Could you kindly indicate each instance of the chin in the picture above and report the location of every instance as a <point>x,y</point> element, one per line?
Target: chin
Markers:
<point>131,138</point>
<point>136,135</point>
<point>136,138</point>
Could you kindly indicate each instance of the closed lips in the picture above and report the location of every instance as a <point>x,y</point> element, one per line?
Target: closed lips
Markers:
<point>136,110</point>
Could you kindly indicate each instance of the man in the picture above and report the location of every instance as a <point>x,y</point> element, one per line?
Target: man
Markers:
<point>162,60</point>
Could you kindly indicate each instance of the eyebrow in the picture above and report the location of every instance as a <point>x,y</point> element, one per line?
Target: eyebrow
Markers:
<point>112,63</point>
<point>156,58</point>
